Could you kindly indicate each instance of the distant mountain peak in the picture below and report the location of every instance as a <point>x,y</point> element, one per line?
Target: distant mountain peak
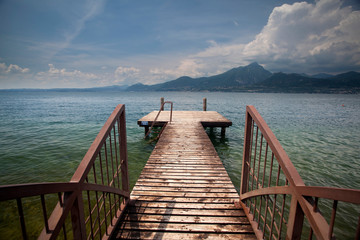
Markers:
<point>254,64</point>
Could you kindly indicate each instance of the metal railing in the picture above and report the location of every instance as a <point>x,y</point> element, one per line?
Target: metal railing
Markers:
<point>158,114</point>
<point>275,198</point>
<point>91,203</point>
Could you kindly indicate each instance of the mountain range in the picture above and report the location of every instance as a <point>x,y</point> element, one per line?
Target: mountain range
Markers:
<point>255,78</point>
<point>250,78</point>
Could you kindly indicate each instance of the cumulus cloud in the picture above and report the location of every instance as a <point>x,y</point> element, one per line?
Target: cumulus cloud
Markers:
<point>12,68</point>
<point>324,36</point>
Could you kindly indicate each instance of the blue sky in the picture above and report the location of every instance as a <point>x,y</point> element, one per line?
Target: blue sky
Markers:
<point>48,44</point>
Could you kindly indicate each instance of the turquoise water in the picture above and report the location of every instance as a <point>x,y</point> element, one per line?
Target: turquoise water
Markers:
<point>44,135</point>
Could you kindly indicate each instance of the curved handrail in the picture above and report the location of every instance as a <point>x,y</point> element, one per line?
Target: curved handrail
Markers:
<point>9,192</point>
<point>337,194</point>
<point>161,109</point>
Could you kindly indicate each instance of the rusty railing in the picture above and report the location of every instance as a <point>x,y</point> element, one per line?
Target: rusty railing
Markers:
<point>161,109</point>
<point>274,197</point>
<point>91,203</point>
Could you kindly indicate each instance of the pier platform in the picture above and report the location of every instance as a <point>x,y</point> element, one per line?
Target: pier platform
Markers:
<point>206,118</point>
<point>184,191</point>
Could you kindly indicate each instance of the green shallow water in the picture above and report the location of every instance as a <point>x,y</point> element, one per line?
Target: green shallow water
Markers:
<point>44,135</point>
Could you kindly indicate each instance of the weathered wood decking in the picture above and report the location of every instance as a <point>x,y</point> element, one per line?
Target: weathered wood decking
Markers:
<point>184,192</point>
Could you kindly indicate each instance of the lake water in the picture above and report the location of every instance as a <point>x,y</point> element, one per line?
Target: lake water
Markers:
<point>44,135</point>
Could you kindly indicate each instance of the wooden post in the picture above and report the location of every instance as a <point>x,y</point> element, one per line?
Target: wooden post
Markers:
<point>204,104</point>
<point>161,104</point>
<point>246,155</point>
<point>77,216</point>
<point>296,220</point>
<point>223,129</point>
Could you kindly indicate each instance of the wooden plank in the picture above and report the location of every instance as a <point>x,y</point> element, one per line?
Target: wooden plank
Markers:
<point>178,205</point>
<point>188,212</point>
<point>212,178</point>
<point>189,227</point>
<point>185,200</point>
<point>184,174</point>
<point>185,194</point>
<point>184,219</point>
<point>184,189</point>
<point>216,171</point>
<point>185,181</point>
<point>131,234</point>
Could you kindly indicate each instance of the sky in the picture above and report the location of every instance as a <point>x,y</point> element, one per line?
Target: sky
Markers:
<point>81,44</point>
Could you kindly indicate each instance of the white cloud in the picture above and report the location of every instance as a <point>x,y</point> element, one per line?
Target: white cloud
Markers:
<point>12,68</point>
<point>187,67</point>
<point>126,74</point>
<point>324,36</point>
<point>320,35</point>
<point>61,77</point>
<point>126,71</point>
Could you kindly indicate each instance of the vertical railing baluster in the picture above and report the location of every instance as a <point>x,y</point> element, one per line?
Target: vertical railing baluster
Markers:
<point>90,212</point>
<point>102,182</point>
<point>282,215</point>
<point>273,216</point>
<point>101,169</point>
<point>332,220</point>
<point>262,184</point>
<point>105,195</point>
<point>271,168</point>
<point>260,153</point>
<point>43,206</point>
<point>106,162</point>
<point>258,179</point>
<point>64,231</point>
<point>265,162</point>
<point>97,201</point>
<point>265,215</point>
<point>117,159</point>
<point>113,180</point>
<point>253,168</point>
<point>21,218</point>
<point>278,176</point>
<point>251,150</point>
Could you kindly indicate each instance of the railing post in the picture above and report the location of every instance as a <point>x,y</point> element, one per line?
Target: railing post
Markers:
<point>77,216</point>
<point>123,154</point>
<point>296,220</point>
<point>162,104</point>
<point>204,104</point>
<point>246,155</point>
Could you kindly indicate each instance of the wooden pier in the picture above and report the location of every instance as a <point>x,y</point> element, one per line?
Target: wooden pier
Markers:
<point>184,191</point>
